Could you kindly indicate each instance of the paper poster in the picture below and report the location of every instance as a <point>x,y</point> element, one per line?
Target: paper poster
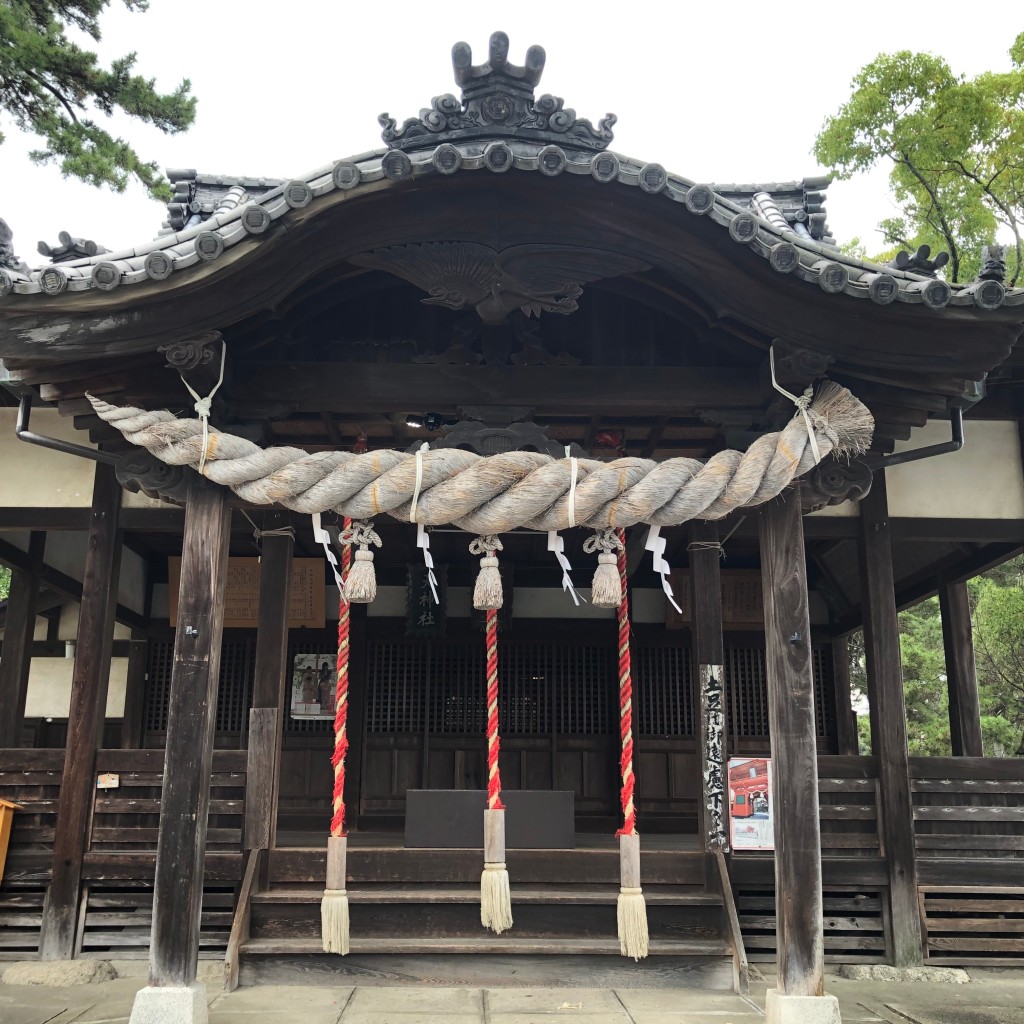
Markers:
<point>314,684</point>
<point>751,803</point>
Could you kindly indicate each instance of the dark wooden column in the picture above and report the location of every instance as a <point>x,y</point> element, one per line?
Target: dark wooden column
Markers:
<point>889,722</point>
<point>18,632</point>
<point>263,771</point>
<point>191,719</point>
<point>135,691</point>
<point>709,660</point>
<point>961,677</point>
<point>89,683</point>
<point>847,741</point>
<point>794,775</point>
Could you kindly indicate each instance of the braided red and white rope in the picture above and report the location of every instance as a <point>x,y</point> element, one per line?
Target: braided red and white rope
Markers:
<point>625,701</point>
<point>493,740</point>
<point>341,698</point>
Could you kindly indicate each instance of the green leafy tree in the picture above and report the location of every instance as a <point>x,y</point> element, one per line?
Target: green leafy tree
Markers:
<point>50,86</point>
<point>925,692</point>
<point>954,145</point>
<point>5,583</point>
<point>998,600</point>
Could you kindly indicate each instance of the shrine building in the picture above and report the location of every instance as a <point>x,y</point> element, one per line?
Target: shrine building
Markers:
<point>623,460</point>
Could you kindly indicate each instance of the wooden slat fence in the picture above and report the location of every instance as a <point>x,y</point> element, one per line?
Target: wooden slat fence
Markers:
<point>969,833</point>
<point>117,891</point>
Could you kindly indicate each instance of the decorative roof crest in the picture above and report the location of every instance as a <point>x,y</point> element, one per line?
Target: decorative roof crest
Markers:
<point>497,102</point>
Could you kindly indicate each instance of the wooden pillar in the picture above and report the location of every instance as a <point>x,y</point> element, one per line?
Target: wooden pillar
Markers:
<point>847,741</point>
<point>89,683</point>
<point>263,772</point>
<point>191,720</point>
<point>794,773</point>
<point>135,692</point>
<point>19,628</point>
<point>961,678</point>
<point>889,722</point>
<point>709,660</point>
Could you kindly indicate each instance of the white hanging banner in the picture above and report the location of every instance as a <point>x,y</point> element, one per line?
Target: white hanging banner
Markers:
<point>423,541</point>
<point>655,543</point>
<point>323,538</point>
<point>556,545</point>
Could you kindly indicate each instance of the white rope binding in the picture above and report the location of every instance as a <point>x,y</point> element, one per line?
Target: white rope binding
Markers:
<point>802,403</point>
<point>204,405</point>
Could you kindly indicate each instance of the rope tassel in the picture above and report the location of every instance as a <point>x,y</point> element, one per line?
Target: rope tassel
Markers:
<point>334,922</point>
<point>606,591</point>
<point>487,595</point>
<point>631,908</point>
<point>495,894</point>
<point>361,580</point>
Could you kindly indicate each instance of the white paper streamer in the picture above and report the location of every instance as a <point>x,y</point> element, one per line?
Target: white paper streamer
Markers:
<point>322,537</point>
<point>419,484</point>
<point>573,479</point>
<point>655,543</point>
<point>423,541</point>
<point>557,545</point>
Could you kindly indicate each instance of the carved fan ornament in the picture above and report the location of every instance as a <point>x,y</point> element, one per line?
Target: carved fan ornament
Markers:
<point>532,278</point>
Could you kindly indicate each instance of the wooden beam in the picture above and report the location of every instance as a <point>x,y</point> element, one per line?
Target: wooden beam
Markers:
<point>135,692</point>
<point>85,717</point>
<point>19,630</point>
<point>794,771</point>
<point>847,741</point>
<point>889,722</point>
<point>62,583</point>
<point>709,658</point>
<point>191,719</point>
<point>345,387</point>
<point>268,697</point>
<point>36,517</point>
<point>961,677</point>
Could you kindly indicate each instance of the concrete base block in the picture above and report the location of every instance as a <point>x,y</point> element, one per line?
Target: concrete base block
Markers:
<point>171,1005</point>
<point>780,1009</point>
<point>58,973</point>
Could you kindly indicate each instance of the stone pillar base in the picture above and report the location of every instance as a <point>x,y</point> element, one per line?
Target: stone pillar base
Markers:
<point>172,1005</point>
<point>782,1009</point>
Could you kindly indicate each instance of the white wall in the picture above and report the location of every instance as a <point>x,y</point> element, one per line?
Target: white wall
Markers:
<point>49,688</point>
<point>35,476</point>
<point>983,480</point>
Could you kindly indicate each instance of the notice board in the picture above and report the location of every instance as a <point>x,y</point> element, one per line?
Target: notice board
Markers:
<point>242,593</point>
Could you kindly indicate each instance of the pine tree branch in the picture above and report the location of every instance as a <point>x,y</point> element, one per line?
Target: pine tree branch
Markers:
<point>56,92</point>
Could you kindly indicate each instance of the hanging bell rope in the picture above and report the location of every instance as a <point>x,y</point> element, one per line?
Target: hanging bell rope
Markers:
<point>487,595</point>
<point>489,495</point>
<point>631,909</point>
<point>334,915</point>
<point>361,580</point>
<point>606,591</point>
<point>495,894</point>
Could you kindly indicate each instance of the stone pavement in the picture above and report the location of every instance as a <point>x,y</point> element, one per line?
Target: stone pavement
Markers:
<point>993,997</point>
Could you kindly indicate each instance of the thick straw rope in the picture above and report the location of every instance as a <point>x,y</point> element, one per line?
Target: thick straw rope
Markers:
<point>493,739</point>
<point>341,698</point>
<point>625,702</point>
<point>498,493</point>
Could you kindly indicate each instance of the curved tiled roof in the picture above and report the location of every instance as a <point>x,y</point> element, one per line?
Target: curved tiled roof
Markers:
<point>499,126</point>
<point>750,214</point>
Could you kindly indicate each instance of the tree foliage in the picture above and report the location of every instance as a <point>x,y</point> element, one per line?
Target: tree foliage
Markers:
<point>997,606</point>
<point>954,145</point>
<point>50,86</point>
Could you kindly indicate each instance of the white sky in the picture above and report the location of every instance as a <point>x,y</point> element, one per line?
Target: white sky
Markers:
<point>715,92</point>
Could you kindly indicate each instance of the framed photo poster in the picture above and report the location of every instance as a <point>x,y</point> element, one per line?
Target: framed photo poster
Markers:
<point>751,803</point>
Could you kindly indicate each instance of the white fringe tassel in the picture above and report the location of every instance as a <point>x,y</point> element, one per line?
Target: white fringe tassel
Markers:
<point>487,592</point>
<point>606,591</point>
<point>631,913</point>
<point>495,898</point>
<point>361,583</point>
<point>334,921</point>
